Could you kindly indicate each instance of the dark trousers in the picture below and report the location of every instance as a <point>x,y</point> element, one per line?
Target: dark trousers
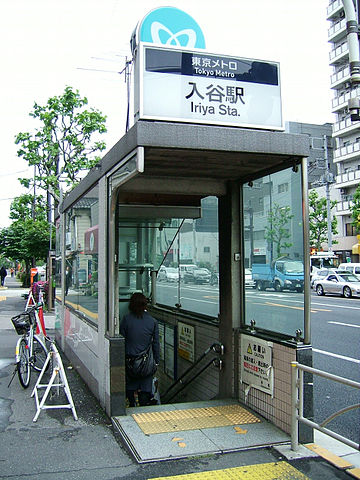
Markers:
<point>143,397</point>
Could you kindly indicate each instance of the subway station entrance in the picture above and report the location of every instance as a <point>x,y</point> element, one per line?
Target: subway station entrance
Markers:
<point>209,222</point>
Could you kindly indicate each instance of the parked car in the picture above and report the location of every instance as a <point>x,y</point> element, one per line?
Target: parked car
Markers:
<point>249,282</point>
<point>320,275</point>
<point>339,283</point>
<point>186,268</point>
<point>168,274</point>
<point>197,275</point>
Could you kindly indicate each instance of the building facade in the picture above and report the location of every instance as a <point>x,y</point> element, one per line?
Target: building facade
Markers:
<point>346,130</point>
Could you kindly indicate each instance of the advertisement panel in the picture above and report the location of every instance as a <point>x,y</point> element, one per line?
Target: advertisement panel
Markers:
<point>195,86</point>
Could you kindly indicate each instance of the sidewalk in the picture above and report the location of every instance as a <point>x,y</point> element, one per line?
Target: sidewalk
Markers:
<point>57,446</point>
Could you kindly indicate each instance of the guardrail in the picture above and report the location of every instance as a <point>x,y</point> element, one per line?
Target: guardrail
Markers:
<point>297,404</point>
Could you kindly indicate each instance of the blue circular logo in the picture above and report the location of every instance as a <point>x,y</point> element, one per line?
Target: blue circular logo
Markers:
<point>171,26</point>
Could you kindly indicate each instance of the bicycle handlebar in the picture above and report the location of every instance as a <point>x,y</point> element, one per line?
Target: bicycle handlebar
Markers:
<point>34,307</point>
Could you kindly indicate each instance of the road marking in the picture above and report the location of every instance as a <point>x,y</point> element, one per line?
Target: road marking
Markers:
<point>335,355</point>
<point>198,300</point>
<point>337,306</point>
<point>345,324</point>
<point>284,306</point>
<point>2,298</point>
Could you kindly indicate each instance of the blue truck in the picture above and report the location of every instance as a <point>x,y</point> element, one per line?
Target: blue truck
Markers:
<point>281,274</point>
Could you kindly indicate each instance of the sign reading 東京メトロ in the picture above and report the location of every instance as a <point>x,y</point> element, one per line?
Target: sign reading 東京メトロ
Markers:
<point>196,86</point>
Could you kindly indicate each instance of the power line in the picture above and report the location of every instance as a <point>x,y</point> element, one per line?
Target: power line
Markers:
<point>13,173</point>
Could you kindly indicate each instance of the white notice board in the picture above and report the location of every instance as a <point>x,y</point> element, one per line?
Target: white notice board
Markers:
<point>256,363</point>
<point>186,342</point>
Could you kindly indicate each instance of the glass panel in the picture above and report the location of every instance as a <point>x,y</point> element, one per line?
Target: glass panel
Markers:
<point>58,291</point>
<point>183,252</point>
<point>143,243</point>
<point>199,261</point>
<point>274,253</point>
<point>81,274</point>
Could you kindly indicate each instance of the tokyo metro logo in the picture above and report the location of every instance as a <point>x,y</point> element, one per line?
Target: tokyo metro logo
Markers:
<point>171,27</point>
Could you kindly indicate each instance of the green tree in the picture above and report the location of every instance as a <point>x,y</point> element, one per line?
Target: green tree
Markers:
<point>318,220</point>
<point>63,146</point>
<point>277,230</point>
<point>355,209</point>
<point>26,241</point>
<point>28,206</point>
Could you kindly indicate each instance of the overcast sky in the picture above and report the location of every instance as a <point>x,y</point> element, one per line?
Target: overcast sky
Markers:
<point>48,44</point>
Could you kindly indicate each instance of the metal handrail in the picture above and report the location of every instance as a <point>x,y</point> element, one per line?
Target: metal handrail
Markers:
<point>297,404</point>
<point>216,347</point>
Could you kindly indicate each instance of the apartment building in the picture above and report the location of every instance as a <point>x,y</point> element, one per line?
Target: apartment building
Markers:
<point>346,131</point>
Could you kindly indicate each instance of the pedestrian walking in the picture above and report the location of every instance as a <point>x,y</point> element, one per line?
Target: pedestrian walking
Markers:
<point>3,274</point>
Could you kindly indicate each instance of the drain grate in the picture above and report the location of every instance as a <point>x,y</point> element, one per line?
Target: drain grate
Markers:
<point>193,419</point>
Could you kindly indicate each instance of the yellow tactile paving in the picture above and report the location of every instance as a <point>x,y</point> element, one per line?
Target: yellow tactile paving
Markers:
<point>355,472</point>
<point>263,471</point>
<point>193,419</point>
<point>330,457</point>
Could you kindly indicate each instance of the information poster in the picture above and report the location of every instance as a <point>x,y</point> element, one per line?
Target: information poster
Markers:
<point>256,363</point>
<point>167,335</point>
<point>186,343</point>
<point>169,366</point>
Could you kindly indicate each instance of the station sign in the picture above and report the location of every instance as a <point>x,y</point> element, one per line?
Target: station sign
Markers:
<point>174,84</point>
<point>256,364</point>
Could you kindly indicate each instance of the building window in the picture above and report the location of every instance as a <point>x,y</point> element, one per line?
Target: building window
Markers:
<point>350,230</point>
<point>283,187</point>
<point>206,249</point>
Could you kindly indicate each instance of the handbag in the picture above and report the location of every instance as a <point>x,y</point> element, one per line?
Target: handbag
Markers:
<point>141,365</point>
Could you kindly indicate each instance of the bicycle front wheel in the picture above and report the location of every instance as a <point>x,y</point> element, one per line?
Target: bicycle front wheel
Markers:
<point>23,366</point>
<point>39,354</point>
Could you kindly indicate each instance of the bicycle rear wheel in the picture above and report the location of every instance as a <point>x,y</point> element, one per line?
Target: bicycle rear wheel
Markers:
<point>23,366</point>
<point>40,353</point>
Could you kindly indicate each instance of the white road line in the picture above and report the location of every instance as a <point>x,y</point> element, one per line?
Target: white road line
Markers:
<point>345,324</point>
<point>335,306</point>
<point>335,355</point>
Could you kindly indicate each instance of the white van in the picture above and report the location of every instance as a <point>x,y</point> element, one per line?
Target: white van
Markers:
<point>350,267</point>
<point>186,268</point>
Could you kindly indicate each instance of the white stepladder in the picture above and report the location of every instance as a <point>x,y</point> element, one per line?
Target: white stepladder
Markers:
<point>57,373</point>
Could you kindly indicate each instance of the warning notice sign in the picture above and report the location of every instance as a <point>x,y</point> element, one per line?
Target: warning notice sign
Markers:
<point>256,363</point>
<point>186,343</point>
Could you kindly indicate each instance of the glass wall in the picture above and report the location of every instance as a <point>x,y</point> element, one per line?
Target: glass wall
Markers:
<point>81,239</point>
<point>183,253</point>
<point>274,254</point>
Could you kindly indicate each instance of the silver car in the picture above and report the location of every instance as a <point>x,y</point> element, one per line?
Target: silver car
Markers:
<point>343,283</point>
<point>321,274</point>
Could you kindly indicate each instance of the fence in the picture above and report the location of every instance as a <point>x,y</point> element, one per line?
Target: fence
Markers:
<point>297,404</point>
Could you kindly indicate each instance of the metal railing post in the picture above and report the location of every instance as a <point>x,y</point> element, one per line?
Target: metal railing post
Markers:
<point>294,407</point>
<point>297,404</point>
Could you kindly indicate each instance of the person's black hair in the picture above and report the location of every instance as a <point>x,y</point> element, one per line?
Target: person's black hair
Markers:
<point>137,304</point>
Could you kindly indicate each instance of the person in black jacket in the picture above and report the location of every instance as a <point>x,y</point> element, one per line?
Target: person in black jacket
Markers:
<point>3,274</point>
<point>139,329</point>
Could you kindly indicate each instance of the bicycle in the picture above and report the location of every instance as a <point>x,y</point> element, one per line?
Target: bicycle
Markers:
<point>31,351</point>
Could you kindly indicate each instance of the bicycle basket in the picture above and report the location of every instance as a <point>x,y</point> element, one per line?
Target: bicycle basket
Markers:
<point>21,324</point>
